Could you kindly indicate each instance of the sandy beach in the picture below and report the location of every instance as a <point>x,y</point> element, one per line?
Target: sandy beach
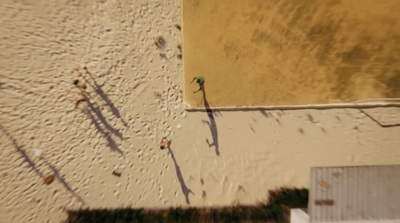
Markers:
<point>106,153</point>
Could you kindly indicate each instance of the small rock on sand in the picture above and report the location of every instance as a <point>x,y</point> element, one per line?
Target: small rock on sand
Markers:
<point>49,179</point>
<point>116,173</point>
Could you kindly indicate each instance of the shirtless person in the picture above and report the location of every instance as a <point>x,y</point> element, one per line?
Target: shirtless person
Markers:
<point>80,97</point>
<point>164,143</point>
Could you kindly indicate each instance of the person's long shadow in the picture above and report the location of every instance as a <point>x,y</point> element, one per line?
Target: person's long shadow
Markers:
<point>34,167</point>
<point>100,92</point>
<point>110,142</point>
<point>212,124</point>
<point>100,116</point>
<point>62,180</point>
<point>22,152</point>
<point>92,109</point>
<point>185,189</point>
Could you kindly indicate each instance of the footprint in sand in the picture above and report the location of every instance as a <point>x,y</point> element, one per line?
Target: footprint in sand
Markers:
<point>167,113</point>
<point>225,184</point>
<point>55,194</point>
<point>212,177</point>
<point>165,165</point>
<point>183,114</point>
<point>85,158</point>
<point>153,185</point>
<point>191,179</point>
<point>151,159</point>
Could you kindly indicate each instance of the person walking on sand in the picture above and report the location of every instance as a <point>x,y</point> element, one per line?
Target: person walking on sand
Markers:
<point>164,143</point>
<point>82,95</point>
<point>200,80</point>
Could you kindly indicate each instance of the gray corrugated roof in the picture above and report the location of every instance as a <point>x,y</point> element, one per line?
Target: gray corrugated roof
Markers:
<point>354,193</point>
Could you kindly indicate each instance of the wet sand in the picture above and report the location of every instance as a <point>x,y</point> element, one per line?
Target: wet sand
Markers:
<point>266,53</point>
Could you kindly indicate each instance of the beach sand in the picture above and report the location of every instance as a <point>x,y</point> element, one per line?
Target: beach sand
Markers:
<point>134,99</point>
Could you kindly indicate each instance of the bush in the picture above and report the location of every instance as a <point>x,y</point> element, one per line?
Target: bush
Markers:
<point>273,210</point>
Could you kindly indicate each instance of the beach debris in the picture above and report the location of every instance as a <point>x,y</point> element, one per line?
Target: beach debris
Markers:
<point>300,130</point>
<point>178,27</point>
<point>157,94</point>
<point>49,179</point>
<point>179,56</point>
<point>162,55</point>
<point>160,42</point>
<point>37,152</point>
<point>324,184</point>
<point>116,173</point>
<point>179,126</point>
<point>179,47</point>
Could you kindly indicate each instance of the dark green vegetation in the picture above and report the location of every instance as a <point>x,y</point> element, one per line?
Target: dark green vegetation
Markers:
<point>272,211</point>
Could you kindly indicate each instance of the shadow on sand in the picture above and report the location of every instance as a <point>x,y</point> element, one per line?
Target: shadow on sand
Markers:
<point>96,111</point>
<point>34,167</point>
<point>185,189</point>
<point>211,123</point>
<point>377,122</point>
<point>22,152</point>
<point>97,117</point>
<point>101,93</point>
<point>64,183</point>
